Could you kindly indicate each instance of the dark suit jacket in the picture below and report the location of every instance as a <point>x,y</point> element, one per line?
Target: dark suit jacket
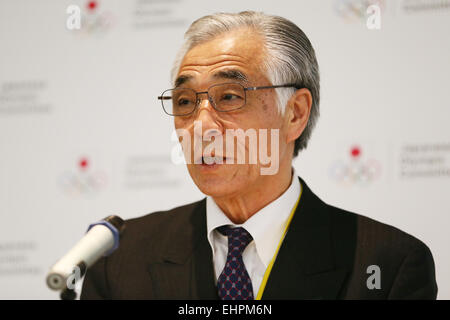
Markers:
<point>325,255</point>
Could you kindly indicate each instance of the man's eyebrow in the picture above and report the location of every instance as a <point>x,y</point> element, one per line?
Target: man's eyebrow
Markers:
<point>181,80</point>
<point>232,75</point>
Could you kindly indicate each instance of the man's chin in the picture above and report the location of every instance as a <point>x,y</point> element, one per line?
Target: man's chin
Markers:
<point>213,185</point>
<point>221,180</point>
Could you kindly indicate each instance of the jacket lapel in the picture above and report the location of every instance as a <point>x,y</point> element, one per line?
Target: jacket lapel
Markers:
<point>306,267</point>
<point>185,269</point>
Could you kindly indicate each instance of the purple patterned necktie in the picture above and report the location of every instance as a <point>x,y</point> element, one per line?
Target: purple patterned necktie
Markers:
<point>234,283</point>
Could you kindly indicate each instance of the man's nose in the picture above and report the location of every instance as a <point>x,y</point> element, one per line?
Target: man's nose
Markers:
<point>207,115</point>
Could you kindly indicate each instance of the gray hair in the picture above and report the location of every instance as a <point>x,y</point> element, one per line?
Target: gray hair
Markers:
<point>290,55</point>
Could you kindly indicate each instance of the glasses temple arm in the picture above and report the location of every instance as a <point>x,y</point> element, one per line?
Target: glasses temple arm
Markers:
<point>293,85</point>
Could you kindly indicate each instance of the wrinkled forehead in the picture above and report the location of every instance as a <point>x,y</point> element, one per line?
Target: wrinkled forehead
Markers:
<point>236,55</point>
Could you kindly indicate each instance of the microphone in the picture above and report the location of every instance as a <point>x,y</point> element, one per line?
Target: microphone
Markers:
<point>101,239</point>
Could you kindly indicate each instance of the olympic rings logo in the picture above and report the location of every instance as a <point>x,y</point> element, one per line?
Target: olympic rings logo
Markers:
<point>83,181</point>
<point>355,171</point>
<point>351,10</point>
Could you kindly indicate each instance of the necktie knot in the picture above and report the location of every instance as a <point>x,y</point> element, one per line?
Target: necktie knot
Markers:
<point>238,238</point>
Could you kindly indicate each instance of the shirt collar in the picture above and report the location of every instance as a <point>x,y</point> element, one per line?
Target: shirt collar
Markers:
<point>266,226</point>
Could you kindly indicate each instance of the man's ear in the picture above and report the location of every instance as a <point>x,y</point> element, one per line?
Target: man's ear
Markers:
<point>298,110</point>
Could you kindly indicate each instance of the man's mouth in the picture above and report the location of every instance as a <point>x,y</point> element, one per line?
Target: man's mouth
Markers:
<point>212,160</point>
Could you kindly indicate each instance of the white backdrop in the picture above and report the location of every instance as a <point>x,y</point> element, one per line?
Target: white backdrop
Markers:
<point>82,135</point>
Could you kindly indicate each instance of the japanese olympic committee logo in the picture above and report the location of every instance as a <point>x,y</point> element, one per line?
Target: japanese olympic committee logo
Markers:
<point>355,169</point>
<point>83,179</point>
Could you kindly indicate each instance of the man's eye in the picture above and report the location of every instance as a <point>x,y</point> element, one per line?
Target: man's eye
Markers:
<point>230,96</point>
<point>183,102</point>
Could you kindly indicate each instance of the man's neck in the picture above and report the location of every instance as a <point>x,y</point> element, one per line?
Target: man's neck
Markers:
<point>240,208</point>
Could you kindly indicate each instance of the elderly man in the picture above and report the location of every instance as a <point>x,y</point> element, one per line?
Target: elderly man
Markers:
<point>260,233</point>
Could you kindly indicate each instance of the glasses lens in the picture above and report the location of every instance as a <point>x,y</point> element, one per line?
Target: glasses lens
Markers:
<point>228,96</point>
<point>178,102</point>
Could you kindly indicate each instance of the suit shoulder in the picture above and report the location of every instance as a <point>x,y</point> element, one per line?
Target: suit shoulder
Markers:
<point>156,219</point>
<point>157,226</point>
<point>373,233</point>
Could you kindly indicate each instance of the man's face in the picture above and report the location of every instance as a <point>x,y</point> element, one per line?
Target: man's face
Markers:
<point>215,62</point>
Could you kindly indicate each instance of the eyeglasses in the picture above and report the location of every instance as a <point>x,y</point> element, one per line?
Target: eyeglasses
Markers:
<point>223,97</point>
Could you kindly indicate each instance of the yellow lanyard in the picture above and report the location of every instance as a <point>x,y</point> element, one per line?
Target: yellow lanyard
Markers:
<point>270,266</point>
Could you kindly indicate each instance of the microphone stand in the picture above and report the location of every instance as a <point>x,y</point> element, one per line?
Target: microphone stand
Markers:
<point>68,294</point>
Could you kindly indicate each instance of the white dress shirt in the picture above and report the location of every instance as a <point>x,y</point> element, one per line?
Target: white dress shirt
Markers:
<point>266,227</point>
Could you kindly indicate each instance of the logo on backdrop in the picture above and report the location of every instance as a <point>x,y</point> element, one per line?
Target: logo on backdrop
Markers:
<point>24,97</point>
<point>89,19</point>
<point>368,11</point>
<point>413,6</point>
<point>355,169</point>
<point>83,179</point>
